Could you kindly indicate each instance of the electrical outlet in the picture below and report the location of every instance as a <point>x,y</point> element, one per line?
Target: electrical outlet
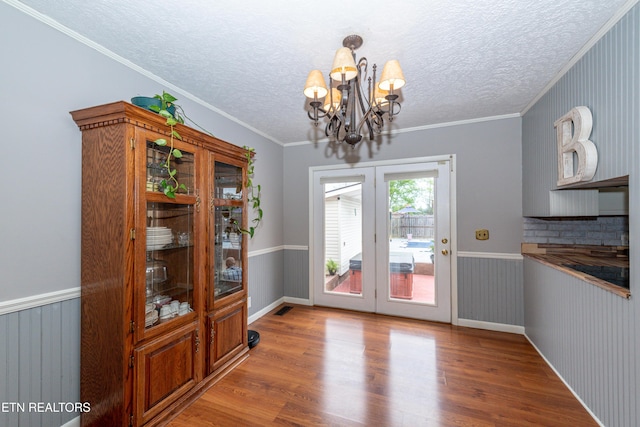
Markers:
<point>249,302</point>
<point>482,234</point>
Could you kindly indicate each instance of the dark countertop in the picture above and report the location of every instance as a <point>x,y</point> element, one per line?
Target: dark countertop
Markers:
<point>560,256</point>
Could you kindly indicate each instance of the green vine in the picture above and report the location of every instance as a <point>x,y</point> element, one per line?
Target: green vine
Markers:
<point>171,186</point>
<point>253,193</point>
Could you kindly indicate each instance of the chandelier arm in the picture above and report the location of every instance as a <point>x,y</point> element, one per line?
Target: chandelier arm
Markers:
<point>318,113</point>
<point>365,112</point>
<point>333,128</point>
<point>344,123</point>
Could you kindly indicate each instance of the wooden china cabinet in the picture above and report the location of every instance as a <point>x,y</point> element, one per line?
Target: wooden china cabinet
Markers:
<point>162,315</point>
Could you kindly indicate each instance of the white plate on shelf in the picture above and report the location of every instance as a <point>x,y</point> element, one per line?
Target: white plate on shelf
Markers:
<point>168,236</point>
<point>159,234</point>
<point>159,241</point>
<point>155,246</point>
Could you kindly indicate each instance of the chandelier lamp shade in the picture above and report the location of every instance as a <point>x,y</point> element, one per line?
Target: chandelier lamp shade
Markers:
<point>345,106</point>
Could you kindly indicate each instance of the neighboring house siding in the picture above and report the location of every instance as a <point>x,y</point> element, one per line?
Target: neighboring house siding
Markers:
<point>350,231</point>
<point>331,230</point>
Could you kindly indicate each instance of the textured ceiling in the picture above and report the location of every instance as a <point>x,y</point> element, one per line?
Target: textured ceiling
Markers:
<point>462,59</point>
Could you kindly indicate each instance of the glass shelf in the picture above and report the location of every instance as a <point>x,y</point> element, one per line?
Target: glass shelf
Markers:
<point>228,182</point>
<point>228,219</point>
<point>170,261</point>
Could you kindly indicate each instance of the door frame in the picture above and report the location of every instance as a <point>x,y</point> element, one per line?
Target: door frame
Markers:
<point>313,245</point>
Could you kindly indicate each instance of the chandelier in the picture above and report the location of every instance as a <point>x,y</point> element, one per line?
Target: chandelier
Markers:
<point>338,103</point>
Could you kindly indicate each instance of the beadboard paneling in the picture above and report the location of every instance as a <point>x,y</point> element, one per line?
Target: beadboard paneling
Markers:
<point>266,281</point>
<point>490,290</point>
<point>589,336</point>
<point>296,274</point>
<point>606,80</point>
<point>40,361</point>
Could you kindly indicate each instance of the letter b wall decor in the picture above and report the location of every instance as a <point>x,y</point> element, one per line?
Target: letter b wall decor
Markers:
<point>573,131</point>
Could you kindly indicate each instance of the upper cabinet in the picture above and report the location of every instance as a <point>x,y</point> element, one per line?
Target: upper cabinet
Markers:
<point>164,295</point>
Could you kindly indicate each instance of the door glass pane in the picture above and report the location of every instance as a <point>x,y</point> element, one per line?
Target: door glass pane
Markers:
<point>169,264</point>
<point>343,237</point>
<point>228,251</point>
<point>228,181</point>
<point>411,234</point>
<point>158,175</point>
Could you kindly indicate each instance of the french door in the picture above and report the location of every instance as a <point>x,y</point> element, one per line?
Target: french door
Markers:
<point>381,239</point>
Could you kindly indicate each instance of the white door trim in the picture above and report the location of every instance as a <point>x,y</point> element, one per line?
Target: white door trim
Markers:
<point>453,213</point>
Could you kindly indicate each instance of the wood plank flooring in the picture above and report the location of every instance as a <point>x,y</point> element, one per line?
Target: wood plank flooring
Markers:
<point>325,367</point>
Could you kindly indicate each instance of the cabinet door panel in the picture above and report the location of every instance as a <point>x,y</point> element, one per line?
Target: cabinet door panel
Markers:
<point>227,219</point>
<point>165,369</point>
<point>168,238</point>
<point>229,334</point>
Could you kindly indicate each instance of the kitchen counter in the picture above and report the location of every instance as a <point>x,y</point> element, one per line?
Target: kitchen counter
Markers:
<point>560,257</point>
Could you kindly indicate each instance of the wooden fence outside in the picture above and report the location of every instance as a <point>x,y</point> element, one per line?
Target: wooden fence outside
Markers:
<point>418,226</point>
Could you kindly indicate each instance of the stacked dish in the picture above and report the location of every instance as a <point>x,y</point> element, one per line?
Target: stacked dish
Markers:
<point>151,315</point>
<point>158,237</point>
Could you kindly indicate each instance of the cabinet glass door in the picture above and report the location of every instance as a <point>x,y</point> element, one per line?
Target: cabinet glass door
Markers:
<point>169,236</point>
<point>228,220</point>
<point>228,252</point>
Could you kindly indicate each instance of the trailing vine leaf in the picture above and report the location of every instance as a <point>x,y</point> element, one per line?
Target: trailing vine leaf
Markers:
<point>170,187</point>
<point>253,193</point>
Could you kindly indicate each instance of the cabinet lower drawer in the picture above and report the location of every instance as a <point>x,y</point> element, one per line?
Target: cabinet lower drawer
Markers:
<point>165,369</point>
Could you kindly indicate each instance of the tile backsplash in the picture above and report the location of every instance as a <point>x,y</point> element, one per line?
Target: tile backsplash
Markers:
<point>602,230</point>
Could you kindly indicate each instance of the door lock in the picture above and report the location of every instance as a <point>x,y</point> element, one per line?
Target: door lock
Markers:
<point>445,252</point>
<point>445,241</point>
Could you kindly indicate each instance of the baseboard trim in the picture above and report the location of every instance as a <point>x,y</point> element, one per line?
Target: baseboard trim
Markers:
<point>565,382</point>
<point>490,326</point>
<point>283,300</point>
<point>264,311</point>
<point>300,301</point>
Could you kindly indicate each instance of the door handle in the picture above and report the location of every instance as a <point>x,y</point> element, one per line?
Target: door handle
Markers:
<point>445,252</point>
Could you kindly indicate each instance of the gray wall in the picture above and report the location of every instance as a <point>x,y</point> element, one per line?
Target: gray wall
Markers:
<point>589,335</point>
<point>44,76</point>
<point>488,173</point>
<point>606,81</point>
<point>489,181</point>
<point>50,75</point>
<point>490,290</point>
<point>266,281</point>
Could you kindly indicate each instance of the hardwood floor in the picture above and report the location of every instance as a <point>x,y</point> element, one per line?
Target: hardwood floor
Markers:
<point>318,366</point>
